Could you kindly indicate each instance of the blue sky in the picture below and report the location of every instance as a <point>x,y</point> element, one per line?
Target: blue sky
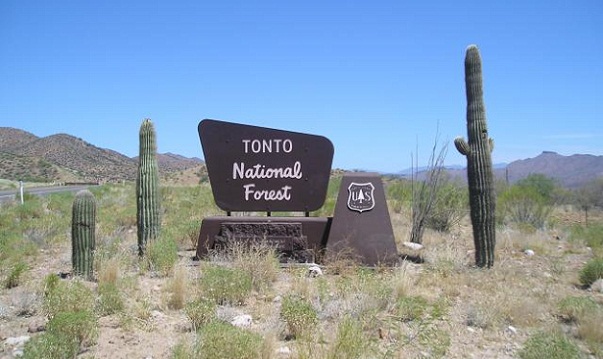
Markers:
<point>377,78</point>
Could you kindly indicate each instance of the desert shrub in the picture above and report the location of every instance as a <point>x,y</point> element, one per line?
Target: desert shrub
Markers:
<point>592,270</point>
<point>110,299</point>
<point>410,308</point>
<point>65,334</point>
<point>81,326</point>
<point>14,276</point>
<point>225,285</point>
<point>350,341</point>
<point>591,235</point>
<point>200,312</point>
<point>524,206</point>
<point>176,289</point>
<point>399,193</point>
<point>449,208</point>
<point>161,255</point>
<point>259,260</point>
<point>219,340</point>
<point>574,308</point>
<point>549,345</point>
<point>62,296</point>
<point>49,345</point>
<point>299,315</point>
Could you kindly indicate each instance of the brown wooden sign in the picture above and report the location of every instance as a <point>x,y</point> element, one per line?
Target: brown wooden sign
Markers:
<point>254,168</point>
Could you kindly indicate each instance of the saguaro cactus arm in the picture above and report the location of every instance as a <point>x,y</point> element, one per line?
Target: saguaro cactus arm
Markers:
<point>462,146</point>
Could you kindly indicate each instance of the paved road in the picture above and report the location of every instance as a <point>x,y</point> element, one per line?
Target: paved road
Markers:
<point>40,191</point>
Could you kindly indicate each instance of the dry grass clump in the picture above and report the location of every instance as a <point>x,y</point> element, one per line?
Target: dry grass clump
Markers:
<point>176,290</point>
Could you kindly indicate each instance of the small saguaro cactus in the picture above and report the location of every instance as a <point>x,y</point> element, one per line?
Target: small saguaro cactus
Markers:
<point>83,225</point>
<point>147,188</point>
<point>482,199</point>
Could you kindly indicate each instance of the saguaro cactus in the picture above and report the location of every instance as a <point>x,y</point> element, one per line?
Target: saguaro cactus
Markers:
<point>147,188</point>
<point>83,225</point>
<point>482,198</point>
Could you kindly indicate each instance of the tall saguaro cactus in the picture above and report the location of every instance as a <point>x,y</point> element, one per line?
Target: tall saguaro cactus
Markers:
<point>482,198</point>
<point>147,188</point>
<point>83,225</point>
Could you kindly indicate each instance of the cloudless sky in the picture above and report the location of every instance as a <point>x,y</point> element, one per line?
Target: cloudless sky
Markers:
<point>379,78</point>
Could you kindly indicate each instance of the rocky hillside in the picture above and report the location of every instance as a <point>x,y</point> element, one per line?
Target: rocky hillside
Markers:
<point>63,157</point>
<point>571,171</point>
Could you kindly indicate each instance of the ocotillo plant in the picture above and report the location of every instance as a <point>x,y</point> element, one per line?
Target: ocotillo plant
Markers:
<point>83,225</point>
<point>482,198</point>
<point>147,188</point>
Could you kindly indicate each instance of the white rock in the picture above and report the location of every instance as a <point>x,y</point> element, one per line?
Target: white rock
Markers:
<point>511,329</point>
<point>17,341</point>
<point>283,350</point>
<point>597,286</point>
<point>242,321</point>
<point>529,252</point>
<point>17,353</point>
<point>277,299</point>
<point>413,246</point>
<point>157,314</point>
<point>314,271</point>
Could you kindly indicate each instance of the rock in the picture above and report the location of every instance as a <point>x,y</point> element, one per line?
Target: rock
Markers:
<point>157,314</point>
<point>529,252</point>
<point>36,327</point>
<point>17,353</point>
<point>597,286</point>
<point>314,271</point>
<point>277,299</point>
<point>283,351</point>
<point>413,246</point>
<point>242,321</point>
<point>17,341</point>
<point>511,330</point>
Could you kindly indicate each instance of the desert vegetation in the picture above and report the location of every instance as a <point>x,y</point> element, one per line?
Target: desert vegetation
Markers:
<point>540,299</point>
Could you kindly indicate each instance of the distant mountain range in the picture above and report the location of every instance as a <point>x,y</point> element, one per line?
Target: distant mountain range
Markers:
<point>569,171</point>
<point>65,158</point>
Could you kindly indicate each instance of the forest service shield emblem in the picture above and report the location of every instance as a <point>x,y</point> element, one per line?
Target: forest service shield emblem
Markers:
<point>360,196</point>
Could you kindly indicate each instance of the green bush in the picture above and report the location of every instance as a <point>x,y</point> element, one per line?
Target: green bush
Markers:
<point>524,206</point>
<point>14,276</point>
<point>350,341</point>
<point>200,312</point>
<point>591,235</point>
<point>81,326</point>
<point>575,308</point>
<point>449,208</point>
<point>410,308</point>
<point>299,315</point>
<point>219,340</point>
<point>592,270</point>
<point>65,334</point>
<point>66,296</point>
<point>50,345</point>
<point>162,254</point>
<point>225,285</point>
<point>550,346</point>
<point>110,299</point>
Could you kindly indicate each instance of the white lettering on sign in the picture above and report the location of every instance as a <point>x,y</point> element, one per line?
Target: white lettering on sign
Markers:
<point>281,194</point>
<point>260,171</point>
<point>243,171</point>
<point>274,145</point>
